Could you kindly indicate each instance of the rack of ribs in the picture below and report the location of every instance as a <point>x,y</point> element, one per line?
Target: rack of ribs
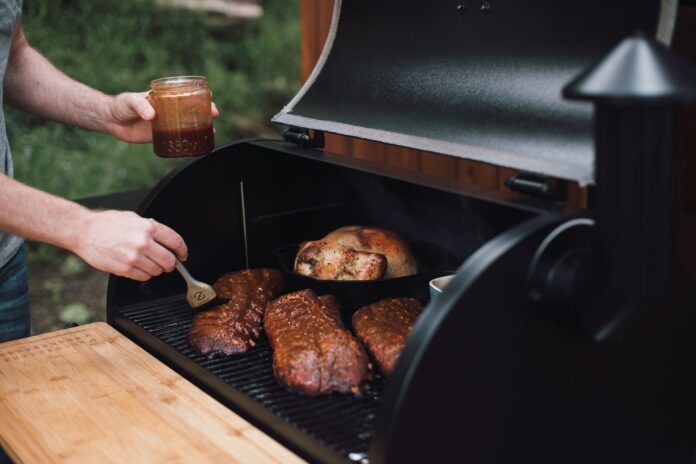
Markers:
<point>384,327</point>
<point>313,352</point>
<point>234,327</point>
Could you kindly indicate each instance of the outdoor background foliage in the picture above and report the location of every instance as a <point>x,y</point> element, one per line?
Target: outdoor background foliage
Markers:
<point>121,45</point>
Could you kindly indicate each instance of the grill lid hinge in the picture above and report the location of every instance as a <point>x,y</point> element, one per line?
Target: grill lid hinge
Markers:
<point>537,186</point>
<point>302,137</point>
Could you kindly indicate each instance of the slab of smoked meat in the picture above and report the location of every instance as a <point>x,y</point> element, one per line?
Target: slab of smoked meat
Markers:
<point>313,353</point>
<point>233,327</point>
<point>384,326</point>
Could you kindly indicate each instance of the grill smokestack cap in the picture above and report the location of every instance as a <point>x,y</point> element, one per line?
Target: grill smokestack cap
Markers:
<point>639,70</point>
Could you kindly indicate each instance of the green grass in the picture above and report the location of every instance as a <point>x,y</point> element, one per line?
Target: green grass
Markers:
<point>120,45</point>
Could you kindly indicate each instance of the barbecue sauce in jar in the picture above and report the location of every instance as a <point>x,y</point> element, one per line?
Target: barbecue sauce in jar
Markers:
<point>183,124</point>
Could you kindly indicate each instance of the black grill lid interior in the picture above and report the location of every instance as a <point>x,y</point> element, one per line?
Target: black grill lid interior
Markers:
<point>474,79</point>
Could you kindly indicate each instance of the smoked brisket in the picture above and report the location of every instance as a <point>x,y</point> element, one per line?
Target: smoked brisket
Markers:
<point>384,326</point>
<point>313,353</point>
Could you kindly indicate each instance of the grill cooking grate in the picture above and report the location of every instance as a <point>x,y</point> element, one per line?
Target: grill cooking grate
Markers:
<point>342,422</point>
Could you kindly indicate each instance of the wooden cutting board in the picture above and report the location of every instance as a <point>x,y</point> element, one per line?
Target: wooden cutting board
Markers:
<point>89,394</point>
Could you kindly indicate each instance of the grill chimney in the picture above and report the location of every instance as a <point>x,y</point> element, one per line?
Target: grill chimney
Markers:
<point>637,90</point>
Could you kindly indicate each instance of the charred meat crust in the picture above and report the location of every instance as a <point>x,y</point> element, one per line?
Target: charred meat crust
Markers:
<point>233,327</point>
<point>313,353</point>
<point>384,327</point>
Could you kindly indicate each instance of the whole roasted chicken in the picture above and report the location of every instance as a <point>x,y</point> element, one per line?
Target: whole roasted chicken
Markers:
<point>356,253</point>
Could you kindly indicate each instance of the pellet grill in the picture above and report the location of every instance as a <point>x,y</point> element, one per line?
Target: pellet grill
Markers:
<point>566,335</point>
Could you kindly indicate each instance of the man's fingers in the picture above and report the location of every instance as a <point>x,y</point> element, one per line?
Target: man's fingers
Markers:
<point>213,110</point>
<point>147,265</point>
<point>139,102</point>
<point>161,256</point>
<point>137,274</point>
<point>168,238</point>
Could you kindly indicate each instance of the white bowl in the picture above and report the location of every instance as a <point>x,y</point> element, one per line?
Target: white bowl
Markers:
<point>438,285</point>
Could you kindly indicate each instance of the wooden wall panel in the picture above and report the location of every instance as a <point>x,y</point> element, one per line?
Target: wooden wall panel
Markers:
<point>401,158</point>
<point>475,173</point>
<point>338,144</point>
<point>309,44</point>
<point>369,151</point>
<point>315,20</point>
<point>435,165</point>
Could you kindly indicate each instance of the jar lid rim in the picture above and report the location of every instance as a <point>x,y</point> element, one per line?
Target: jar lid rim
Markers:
<point>177,80</point>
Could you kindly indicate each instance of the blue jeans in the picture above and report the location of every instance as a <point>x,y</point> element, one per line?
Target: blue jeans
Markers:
<point>15,319</point>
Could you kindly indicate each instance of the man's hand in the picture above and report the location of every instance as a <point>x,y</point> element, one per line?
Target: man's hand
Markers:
<point>119,242</point>
<point>35,86</point>
<point>128,245</point>
<point>130,115</point>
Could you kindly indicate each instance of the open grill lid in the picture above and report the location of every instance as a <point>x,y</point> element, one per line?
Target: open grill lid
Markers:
<point>475,79</point>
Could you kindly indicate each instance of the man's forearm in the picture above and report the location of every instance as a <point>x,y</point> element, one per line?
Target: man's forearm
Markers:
<point>120,242</point>
<point>34,85</point>
<point>36,215</point>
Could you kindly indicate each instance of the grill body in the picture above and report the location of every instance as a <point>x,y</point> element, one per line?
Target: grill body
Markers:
<point>562,337</point>
<point>486,362</point>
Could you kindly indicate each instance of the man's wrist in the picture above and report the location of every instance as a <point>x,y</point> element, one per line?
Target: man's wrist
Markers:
<point>105,118</point>
<point>80,219</point>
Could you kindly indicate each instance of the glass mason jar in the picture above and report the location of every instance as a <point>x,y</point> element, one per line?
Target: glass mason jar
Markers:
<point>183,126</point>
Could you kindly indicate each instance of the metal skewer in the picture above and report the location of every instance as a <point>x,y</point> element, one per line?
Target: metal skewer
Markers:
<point>244,226</point>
